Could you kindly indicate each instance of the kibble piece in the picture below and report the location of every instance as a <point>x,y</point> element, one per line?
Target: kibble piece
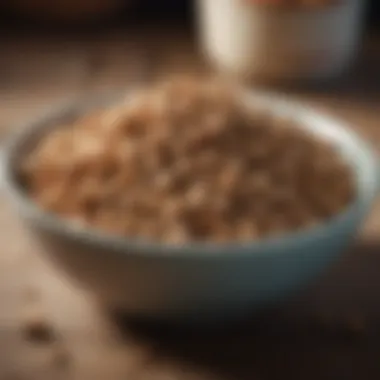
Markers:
<point>185,161</point>
<point>176,234</point>
<point>247,231</point>
<point>260,184</point>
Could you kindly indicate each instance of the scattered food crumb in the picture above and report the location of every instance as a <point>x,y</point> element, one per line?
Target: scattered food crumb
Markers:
<point>37,329</point>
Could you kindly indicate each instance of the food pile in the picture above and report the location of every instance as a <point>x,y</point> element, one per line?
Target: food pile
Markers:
<point>186,161</point>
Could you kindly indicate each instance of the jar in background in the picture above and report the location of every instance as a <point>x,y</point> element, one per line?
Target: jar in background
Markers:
<point>278,43</point>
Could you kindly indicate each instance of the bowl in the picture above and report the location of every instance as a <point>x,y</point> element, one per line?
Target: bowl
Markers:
<point>197,281</point>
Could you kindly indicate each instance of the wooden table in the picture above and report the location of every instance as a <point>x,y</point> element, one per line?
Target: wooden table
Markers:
<point>330,332</point>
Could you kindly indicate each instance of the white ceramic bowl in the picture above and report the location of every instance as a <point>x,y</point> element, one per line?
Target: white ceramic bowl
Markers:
<point>197,280</point>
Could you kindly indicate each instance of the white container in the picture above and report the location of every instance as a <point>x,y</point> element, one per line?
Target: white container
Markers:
<point>256,41</point>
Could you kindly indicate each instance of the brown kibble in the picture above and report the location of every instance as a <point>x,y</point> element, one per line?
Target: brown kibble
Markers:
<point>229,176</point>
<point>197,195</point>
<point>260,184</point>
<point>163,180</point>
<point>176,235</point>
<point>185,161</point>
<point>247,231</point>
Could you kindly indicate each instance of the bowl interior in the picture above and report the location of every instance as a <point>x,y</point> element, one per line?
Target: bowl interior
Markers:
<point>352,148</point>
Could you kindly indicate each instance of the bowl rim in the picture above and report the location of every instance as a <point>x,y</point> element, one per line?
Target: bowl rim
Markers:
<point>57,225</point>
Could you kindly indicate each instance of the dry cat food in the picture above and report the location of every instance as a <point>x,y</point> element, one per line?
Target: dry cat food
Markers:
<point>185,161</point>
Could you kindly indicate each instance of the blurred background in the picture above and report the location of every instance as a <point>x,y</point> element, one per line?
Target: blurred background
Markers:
<point>66,48</point>
<point>45,11</point>
<point>63,50</point>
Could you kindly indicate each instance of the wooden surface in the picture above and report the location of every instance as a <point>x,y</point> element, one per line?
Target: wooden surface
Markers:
<point>330,332</point>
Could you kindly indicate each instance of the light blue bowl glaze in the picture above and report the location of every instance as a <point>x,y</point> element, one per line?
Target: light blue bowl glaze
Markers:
<point>202,279</point>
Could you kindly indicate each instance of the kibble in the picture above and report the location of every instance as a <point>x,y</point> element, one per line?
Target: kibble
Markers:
<point>186,161</point>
